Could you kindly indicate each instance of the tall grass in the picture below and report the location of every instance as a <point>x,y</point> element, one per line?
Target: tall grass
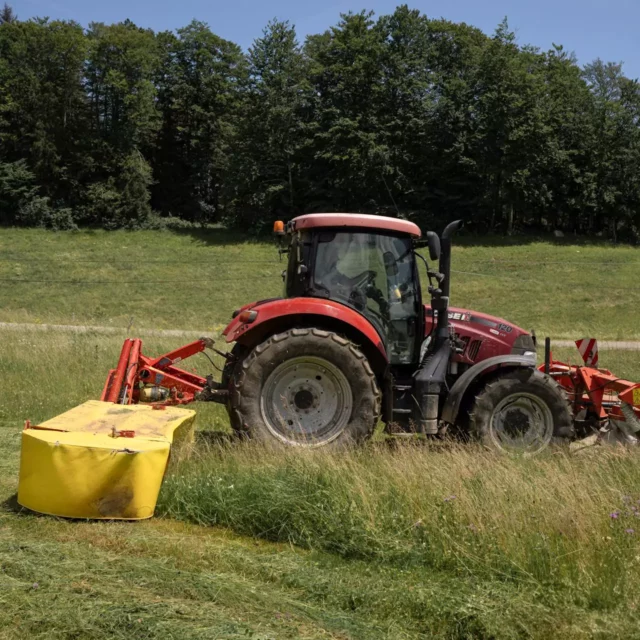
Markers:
<point>568,523</point>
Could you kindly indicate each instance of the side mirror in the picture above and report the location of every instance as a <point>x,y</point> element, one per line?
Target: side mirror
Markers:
<point>433,243</point>
<point>390,263</point>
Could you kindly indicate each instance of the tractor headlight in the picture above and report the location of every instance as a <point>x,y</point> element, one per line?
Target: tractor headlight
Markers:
<point>524,345</point>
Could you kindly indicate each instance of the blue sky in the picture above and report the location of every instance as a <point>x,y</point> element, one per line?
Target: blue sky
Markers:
<point>590,28</point>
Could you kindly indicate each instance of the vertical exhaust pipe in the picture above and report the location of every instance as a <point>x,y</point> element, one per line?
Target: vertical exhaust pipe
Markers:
<point>440,304</point>
<point>445,254</point>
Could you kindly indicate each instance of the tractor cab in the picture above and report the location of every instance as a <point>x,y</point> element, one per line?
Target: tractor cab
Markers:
<point>366,263</point>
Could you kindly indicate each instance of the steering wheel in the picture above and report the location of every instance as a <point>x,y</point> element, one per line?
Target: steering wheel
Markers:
<point>355,289</point>
<point>362,280</point>
<point>362,287</point>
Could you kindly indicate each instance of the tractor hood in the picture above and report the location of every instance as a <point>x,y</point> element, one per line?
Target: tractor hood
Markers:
<point>484,336</point>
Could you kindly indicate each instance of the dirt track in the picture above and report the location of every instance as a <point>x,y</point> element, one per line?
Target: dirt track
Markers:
<point>83,328</point>
<point>605,345</point>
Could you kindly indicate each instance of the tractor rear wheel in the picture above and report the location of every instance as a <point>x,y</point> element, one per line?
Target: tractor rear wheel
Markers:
<point>305,387</point>
<point>521,411</point>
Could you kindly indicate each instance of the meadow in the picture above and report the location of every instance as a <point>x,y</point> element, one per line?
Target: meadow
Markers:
<point>389,541</point>
<point>194,279</point>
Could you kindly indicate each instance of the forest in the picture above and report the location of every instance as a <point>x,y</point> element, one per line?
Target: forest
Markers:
<point>116,126</point>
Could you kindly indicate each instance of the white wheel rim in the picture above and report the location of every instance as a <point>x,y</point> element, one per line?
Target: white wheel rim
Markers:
<point>306,401</point>
<point>522,422</point>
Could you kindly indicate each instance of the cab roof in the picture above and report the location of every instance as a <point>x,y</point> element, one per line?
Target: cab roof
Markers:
<point>360,220</point>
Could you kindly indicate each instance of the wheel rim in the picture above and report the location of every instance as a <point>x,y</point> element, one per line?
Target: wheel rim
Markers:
<point>522,422</point>
<point>306,401</point>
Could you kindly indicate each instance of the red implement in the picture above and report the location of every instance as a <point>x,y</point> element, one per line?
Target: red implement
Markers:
<point>600,397</point>
<point>138,378</point>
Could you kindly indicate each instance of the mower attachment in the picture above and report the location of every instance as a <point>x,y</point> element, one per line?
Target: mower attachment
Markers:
<point>100,460</point>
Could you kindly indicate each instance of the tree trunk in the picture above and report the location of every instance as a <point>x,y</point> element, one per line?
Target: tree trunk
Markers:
<point>290,186</point>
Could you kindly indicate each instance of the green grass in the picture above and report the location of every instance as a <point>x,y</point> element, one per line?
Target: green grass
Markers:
<point>194,279</point>
<point>264,544</point>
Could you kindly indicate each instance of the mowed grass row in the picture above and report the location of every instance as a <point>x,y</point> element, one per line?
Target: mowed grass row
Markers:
<point>407,542</point>
<point>195,278</point>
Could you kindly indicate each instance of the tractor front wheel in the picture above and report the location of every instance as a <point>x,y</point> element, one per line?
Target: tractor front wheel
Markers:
<point>521,411</point>
<point>305,387</point>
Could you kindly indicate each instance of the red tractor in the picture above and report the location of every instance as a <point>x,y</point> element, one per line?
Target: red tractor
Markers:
<point>352,342</point>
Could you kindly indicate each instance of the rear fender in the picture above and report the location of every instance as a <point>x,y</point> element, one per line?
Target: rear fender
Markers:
<point>280,315</point>
<point>471,378</point>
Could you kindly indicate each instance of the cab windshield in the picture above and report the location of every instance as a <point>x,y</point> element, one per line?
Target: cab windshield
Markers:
<point>374,273</point>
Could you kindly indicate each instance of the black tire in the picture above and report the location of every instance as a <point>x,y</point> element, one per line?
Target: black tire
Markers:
<point>275,361</point>
<point>505,408</point>
<point>233,365</point>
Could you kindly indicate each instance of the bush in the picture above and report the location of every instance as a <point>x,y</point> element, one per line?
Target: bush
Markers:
<point>134,182</point>
<point>122,201</point>
<point>20,203</point>
<point>37,212</point>
<point>168,223</point>
<point>101,200</point>
<point>16,189</point>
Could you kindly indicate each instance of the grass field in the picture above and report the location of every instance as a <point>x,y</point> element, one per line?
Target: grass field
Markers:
<point>195,280</point>
<point>408,542</point>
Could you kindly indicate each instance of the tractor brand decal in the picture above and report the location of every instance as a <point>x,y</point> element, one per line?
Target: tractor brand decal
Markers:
<point>588,348</point>
<point>636,397</point>
<point>467,317</point>
<point>485,321</point>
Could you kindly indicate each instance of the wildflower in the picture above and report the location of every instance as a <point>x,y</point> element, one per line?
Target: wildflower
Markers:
<point>614,515</point>
<point>34,586</point>
<point>450,498</point>
<point>626,498</point>
<point>630,531</point>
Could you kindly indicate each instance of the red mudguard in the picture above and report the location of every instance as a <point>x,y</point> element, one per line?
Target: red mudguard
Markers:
<point>274,311</point>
